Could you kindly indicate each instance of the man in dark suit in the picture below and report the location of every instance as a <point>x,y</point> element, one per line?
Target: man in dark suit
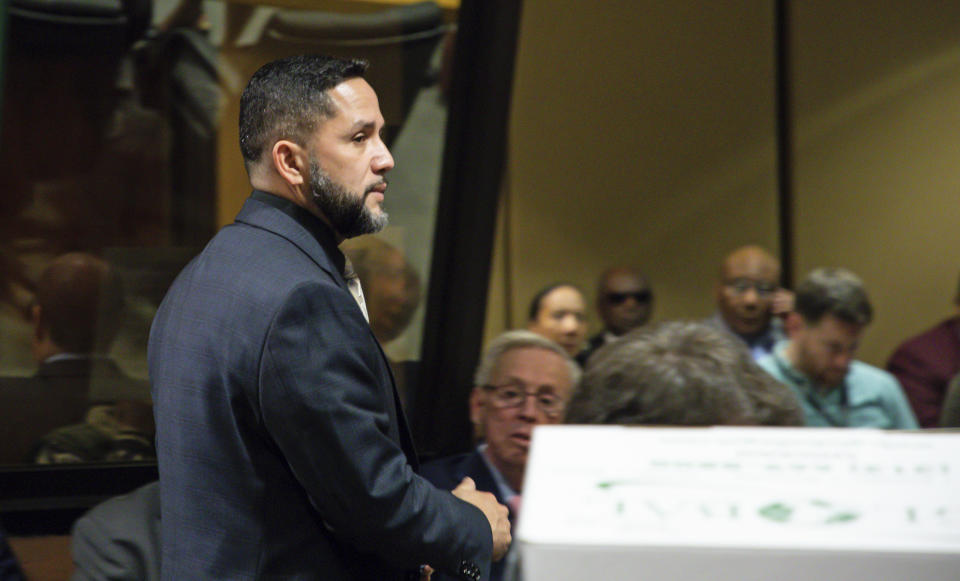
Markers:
<point>925,364</point>
<point>76,314</point>
<point>515,366</point>
<point>283,451</point>
<point>119,539</point>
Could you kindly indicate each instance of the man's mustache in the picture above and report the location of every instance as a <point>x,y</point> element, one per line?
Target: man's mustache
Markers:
<point>375,185</point>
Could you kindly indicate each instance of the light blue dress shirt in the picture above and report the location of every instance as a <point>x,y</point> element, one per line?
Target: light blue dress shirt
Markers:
<point>869,397</point>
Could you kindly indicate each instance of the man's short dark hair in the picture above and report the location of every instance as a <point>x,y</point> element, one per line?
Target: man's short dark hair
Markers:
<point>833,291</point>
<point>286,98</point>
<point>536,303</point>
<point>680,374</point>
<point>81,302</point>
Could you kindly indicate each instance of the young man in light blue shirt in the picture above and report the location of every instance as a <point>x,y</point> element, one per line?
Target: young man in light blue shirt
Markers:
<point>830,314</point>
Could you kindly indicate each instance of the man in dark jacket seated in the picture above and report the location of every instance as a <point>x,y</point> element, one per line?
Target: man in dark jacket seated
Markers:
<point>523,380</point>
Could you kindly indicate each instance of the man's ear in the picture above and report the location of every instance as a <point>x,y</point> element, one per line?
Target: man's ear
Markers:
<point>478,401</point>
<point>793,324</point>
<point>291,162</point>
<point>476,405</point>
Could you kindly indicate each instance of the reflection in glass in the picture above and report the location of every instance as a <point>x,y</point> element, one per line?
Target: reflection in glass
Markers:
<point>119,142</point>
<point>78,405</point>
<point>391,290</point>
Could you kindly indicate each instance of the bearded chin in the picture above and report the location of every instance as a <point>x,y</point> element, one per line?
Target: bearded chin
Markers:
<point>348,213</point>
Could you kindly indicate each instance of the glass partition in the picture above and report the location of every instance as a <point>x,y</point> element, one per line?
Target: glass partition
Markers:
<point>121,159</point>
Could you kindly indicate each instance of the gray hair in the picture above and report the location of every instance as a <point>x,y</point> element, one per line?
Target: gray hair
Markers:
<point>679,373</point>
<point>519,339</point>
<point>833,291</point>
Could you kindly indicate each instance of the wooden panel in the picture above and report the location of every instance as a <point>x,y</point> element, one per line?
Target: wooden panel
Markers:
<point>44,558</point>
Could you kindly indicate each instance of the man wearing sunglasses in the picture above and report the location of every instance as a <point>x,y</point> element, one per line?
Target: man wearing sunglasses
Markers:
<point>523,380</point>
<point>624,302</point>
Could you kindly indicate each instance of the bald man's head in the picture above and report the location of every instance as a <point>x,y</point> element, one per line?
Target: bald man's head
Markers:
<point>749,277</point>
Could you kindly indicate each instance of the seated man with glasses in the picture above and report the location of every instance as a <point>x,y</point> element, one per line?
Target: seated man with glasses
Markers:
<point>523,380</point>
<point>624,302</point>
<point>750,300</point>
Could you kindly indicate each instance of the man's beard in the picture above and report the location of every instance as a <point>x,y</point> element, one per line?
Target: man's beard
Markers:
<point>347,213</point>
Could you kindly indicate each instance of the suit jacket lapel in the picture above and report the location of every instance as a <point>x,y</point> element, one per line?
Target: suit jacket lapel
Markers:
<point>259,214</point>
<point>475,467</point>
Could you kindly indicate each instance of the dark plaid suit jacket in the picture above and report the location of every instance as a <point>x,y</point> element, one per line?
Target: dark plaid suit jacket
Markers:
<point>446,474</point>
<point>282,449</point>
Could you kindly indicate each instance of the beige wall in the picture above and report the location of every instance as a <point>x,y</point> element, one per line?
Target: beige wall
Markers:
<point>878,155</point>
<point>643,133</point>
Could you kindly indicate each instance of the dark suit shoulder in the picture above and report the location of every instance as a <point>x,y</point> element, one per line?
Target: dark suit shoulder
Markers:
<point>139,508</point>
<point>445,473</point>
<point>120,538</point>
<point>257,215</point>
<point>594,343</point>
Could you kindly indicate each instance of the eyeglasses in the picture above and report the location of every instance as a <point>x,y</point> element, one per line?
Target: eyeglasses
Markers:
<point>740,286</point>
<point>641,297</point>
<point>512,395</point>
